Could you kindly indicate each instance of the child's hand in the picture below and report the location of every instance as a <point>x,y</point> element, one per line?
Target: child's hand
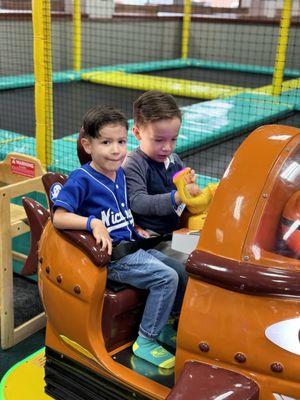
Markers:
<point>142,232</point>
<point>192,176</point>
<point>191,187</point>
<point>101,235</point>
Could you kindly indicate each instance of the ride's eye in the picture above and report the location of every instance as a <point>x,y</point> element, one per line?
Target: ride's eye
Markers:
<point>123,141</point>
<point>285,334</point>
<point>106,142</point>
<point>158,140</point>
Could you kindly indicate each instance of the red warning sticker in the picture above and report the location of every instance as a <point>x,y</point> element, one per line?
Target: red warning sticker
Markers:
<point>22,167</point>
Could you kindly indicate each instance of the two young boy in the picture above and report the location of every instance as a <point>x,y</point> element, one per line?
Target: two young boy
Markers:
<point>95,198</point>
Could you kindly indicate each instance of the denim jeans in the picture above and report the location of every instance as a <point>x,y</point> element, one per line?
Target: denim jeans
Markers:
<point>164,277</point>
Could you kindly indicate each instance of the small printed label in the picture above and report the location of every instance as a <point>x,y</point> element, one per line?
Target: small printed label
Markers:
<point>179,209</point>
<point>22,167</point>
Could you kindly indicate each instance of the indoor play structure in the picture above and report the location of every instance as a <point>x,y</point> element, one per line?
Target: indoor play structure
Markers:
<point>238,329</point>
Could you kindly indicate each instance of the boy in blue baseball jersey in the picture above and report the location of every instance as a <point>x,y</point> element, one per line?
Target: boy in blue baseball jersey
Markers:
<point>95,198</point>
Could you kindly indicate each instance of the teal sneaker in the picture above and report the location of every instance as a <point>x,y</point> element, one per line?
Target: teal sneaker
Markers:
<point>144,368</point>
<point>152,352</point>
<point>168,335</point>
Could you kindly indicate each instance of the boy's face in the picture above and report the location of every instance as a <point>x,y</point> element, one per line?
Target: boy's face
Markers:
<point>108,150</point>
<point>158,138</point>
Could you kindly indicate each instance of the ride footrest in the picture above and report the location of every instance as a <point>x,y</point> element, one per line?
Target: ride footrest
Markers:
<point>199,381</point>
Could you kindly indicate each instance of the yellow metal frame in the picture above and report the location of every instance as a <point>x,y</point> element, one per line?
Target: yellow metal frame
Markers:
<point>281,48</point>
<point>77,36</point>
<point>179,87</point>
<point>284,87</point>
<point>41,18</point>
<point>186,26</point>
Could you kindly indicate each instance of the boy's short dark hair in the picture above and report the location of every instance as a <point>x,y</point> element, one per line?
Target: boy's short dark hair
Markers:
<point>153,106</point>
<point>100,116</point>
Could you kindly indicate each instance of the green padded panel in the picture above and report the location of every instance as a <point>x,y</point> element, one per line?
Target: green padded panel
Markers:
<point>157,65</point>
<point>66,150</point>
<point>21,81</point>
<point>254,69</point>
<point>16,81</point>
<point>11,141</point>
<point>208,122</point>
<point>292,97</point>
<point>203,123</point>
<point>203,180</point>
<point>6,136</point>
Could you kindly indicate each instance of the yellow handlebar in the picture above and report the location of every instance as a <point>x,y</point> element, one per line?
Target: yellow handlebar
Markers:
<point>195,204</point>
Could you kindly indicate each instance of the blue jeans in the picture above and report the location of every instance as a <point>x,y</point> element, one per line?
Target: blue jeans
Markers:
<point>164,277</point>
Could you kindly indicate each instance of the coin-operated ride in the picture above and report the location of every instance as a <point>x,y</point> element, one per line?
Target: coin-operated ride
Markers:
<point>238,333</point>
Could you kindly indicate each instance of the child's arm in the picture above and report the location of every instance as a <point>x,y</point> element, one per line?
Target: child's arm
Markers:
<point>141,202</point>
<point>63,219</point>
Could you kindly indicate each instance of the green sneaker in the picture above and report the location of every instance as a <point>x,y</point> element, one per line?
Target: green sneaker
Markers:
<point>168,335</point>
<point>152,352</point>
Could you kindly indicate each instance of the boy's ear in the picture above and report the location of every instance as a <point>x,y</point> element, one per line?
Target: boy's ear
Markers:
<point>86,144</point>
<point>136,132</point>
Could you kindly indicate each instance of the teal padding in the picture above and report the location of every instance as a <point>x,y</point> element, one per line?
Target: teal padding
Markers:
<point>66,76</point>
<point>143,66</point>
<point>65,155</point>
<point>16,81</point>
<point>292,97</point>
<point>190,62</point>
<point>9,135</point>
<point>211,121</point>
<point>255,69</point>
<point>157,65</point>
<point>21,81</point>
<point>203,124</point>
<point>11,141</point>
<point>204,180</point>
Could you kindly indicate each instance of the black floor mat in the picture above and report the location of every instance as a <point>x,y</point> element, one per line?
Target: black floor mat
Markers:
<point>27,302</point>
